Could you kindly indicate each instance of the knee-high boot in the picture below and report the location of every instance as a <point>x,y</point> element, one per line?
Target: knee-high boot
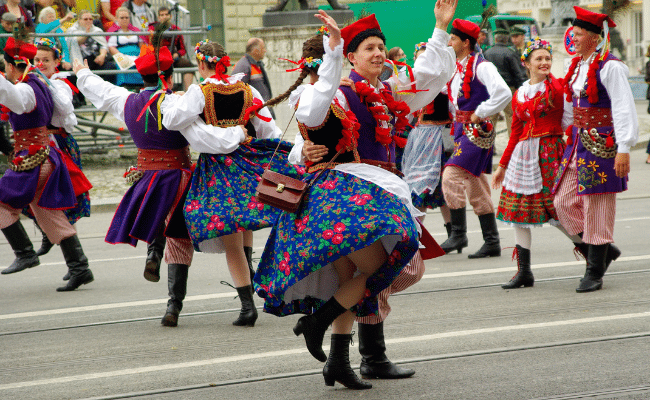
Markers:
<point>177,283</point>
<point>155,251</point>
<point>338,369</point>
<point>248,312</point>
<point>313,327</point>
<point>77,263</point>
<point>612,253</point>
<point>492,245</point>
<point>593,279</point>
<point>458,238</point>
<point>46,245</point>
<point>23,249</point>
<point>248,251</point>
<point>374,363</point>
<point>524,276</point>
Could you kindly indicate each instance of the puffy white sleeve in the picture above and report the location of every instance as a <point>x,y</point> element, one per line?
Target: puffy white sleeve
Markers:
<point>104,95</point>
<point>63,115</point>
<point>432,70</point>
<point>315,99</point>
<point>500,94</point>
<point>263,129</point>
<point>19,98</point>
<point>614,77</point>
<point>295,156</point>
<point>179,112</point>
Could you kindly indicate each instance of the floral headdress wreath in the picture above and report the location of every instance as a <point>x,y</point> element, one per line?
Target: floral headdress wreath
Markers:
<point>222,63</point>
<point>309,62</point>
<point>536,44</point>
<point>49,43</point>
<point>420,46</point>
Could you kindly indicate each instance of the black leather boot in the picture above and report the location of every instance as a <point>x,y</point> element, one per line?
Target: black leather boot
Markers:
<point>313,327</point>
<point>492,245</point>
<point>248,312</point>
<point>249,258</point>
<point>46,245</point>
<point>77,263</point>
<point>458,238</point>
<point>524,276</point>
<point>155,251</point>
<point>23,249</point>
<point>338,369</point>
<point>612,253</point>
<point>593,279</point>
<point>374,363</point>
<point>448,229</point>
<point>177,283</point>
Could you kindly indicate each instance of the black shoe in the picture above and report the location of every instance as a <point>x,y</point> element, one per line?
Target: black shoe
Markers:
<point>593,279</point>
<point>155,251</point>
<point>248,251</point>
<point>248,312</point>
<point>583,249</point>
<point>177,284</point>
<point>492,245</point>
<point>374,363</point>
<point>23,249</point>
<point>77,263</point>
<point>524,276</point>
<point>46,245</point>
<point>313,327</point>
<point>458,239</point>
<point>338,369</point>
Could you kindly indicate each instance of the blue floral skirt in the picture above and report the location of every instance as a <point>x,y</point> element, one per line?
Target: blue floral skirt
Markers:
<point>341,214</point>
<point>221,199</point>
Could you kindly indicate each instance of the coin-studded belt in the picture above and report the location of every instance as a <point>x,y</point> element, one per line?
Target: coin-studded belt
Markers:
<point>163,159</point>
<point>596,144</point>
<point>478,136</point>
<point>592,117</point>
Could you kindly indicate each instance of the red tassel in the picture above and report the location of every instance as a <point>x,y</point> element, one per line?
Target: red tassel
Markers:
<point>609,142</point>
<point>569,134</point>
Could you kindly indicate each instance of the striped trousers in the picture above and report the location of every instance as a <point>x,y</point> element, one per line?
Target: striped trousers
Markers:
<point>456,182</point>
<point>178,251</point>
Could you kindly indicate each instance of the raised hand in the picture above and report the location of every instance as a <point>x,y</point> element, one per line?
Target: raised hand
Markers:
<point>78,66</point>
<point>444,12</point>
<point>330,24</point>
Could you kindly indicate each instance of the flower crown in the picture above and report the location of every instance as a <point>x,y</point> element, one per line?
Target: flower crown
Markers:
<point>312,62</point>
<point>49,43</point>
<point>420,46</point>
<point>202,57</point>
<point>323,31</point>
<point>535,45</point>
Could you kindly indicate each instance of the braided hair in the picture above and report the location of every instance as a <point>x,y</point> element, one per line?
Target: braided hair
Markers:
<point>313,47</point>
<point>211,49</point>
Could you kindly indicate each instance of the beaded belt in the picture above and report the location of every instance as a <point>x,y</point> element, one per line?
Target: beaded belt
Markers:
<point>163,159</point>
<point>388,166</point>
<point>27,137</point>
<point>478,136</point>
<point>463,117</point>
<point>596,144</point>
<point>592,117</point>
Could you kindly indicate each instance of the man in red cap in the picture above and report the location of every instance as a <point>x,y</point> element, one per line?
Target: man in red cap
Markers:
<point>38,177</point>
<point>475,92</point>
<point>599,108</point>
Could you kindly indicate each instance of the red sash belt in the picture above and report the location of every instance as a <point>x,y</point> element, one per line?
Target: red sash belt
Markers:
<point>27,137</point>
<point>592,117</point>
<point>164,159</point>
<point>463,117</point>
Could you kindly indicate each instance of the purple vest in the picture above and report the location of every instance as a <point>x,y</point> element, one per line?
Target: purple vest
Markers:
<point>467,155</point>
<point>368,146</point>
<point>41,114</point>
<point>152,138</point>
<point>596,175</point>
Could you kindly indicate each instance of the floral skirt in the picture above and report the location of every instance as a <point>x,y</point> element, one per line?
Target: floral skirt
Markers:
<point>529,210</point>
<point>342,214</point>
<point>221,199</point>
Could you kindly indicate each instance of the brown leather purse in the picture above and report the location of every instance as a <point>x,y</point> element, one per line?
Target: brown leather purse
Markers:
<point>281,191</point>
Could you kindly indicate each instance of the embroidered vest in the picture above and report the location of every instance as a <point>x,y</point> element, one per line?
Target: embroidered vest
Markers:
<point>225,105</point>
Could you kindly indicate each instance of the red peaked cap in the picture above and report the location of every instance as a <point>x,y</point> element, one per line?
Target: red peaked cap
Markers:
<point>15,49</point>
<point>146,63</point>
<point>353,30</point>
<point>591,21</point>
<point>465,29</point>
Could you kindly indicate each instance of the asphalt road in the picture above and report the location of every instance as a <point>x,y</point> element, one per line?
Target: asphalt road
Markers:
<point>465,336</point>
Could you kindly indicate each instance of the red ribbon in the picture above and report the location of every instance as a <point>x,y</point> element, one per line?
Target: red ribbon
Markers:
<point>257,105</point>
<point>299,64</point>
<point>412,89</point>
<point>220,69</point>
<point>146,106</point>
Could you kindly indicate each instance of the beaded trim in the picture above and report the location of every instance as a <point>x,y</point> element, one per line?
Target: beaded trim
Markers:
<point>30,161</point>
<point>132,175</point>
<point>211,113</point>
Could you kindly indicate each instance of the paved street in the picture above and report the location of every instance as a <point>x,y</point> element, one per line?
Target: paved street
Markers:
<point>465,336</point>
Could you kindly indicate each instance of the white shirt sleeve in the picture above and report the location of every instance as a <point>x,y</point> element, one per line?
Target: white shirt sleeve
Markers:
<point>500,94</point>
<point>19,98</point>
<point>63,114</point>
<point>263,129</point>
<point>179,112</point>
<point>567,116</point>
<point>295,156</point>
<point>432,70</point>
<point>211,139</point>
<point>104,95</point>
<point>315,99</point>
<point>614,76</point>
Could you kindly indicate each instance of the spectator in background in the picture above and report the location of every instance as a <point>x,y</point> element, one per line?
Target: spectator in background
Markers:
<point>22,14</point>
<point>7,20</point>
<point>397,54</point>
<point>518,38</point>
<point>61,9</point>
<point>47,23</point>
<point>94,49</point>
<point>251,64</point>
<point>141,13</point>
<point>481,46</point>
<point>108,8</point>
<point>128,45</point>
<point>508,66</point>
<point>177,47</point>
